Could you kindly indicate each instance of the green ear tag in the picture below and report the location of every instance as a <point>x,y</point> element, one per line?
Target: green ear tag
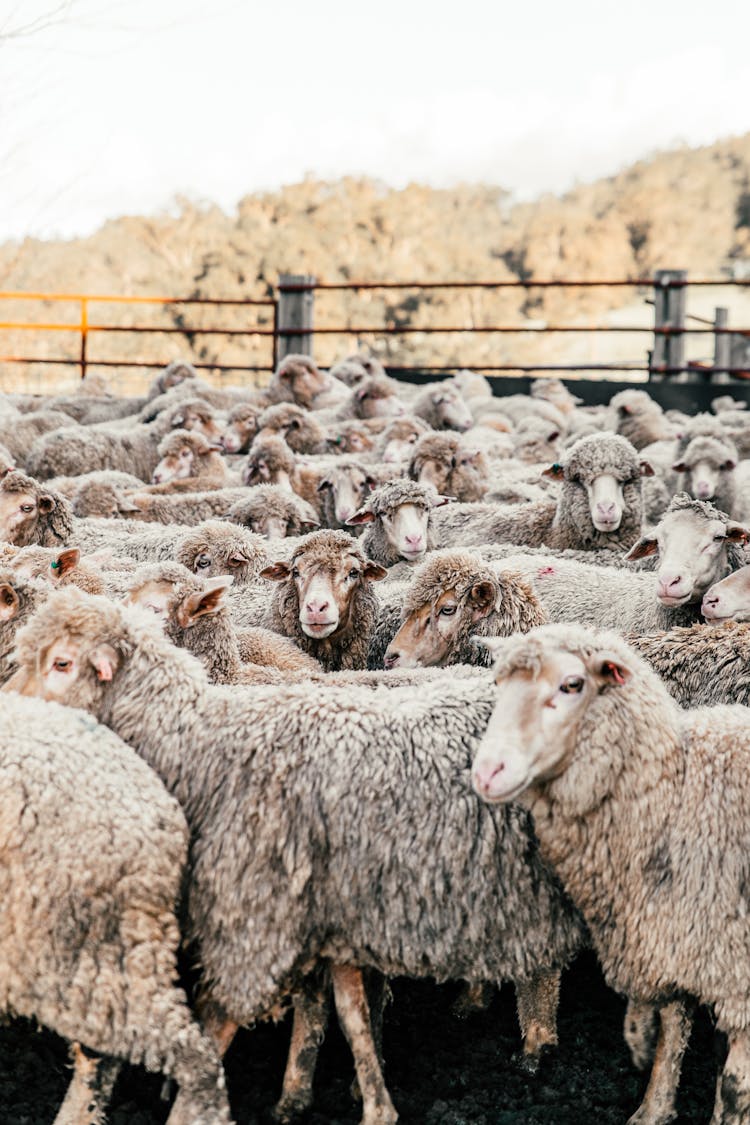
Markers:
<point>55,565</point>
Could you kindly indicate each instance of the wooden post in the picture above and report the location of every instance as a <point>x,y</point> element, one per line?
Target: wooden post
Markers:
<point>296,299</point>
<point>722,348</point>
<point>669,312</point>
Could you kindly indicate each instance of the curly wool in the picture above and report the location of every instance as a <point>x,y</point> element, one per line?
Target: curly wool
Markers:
<point>682,656</point>
<point>49,529</point>
<point>185,508</point>
<point>339,788</point>
<point>385,500</point>
<point>30,593</point>
<point>300,429</point>
<point>93,860</point>
<point>655,900</point>
<point>279,503</point>
<point>223,542</point>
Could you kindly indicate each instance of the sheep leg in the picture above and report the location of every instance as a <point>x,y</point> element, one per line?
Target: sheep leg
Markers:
<point>378,995</point>
<point>733,1089</point>
<point>354,1015</point>
<point>658,1105</point>
<point>537,1001</point>
<point>474,997</point>
<point>311,1008</point>
<point>90,1089</point>
<point>640,1030</point>
<point>216,1023</point>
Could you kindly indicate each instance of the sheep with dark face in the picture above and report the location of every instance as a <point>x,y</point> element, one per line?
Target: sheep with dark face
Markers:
<point>453,598</point>
<point>450,466</point>
<point>273,512</point>
<point>324,601</point>
<point>599,504</point>
<point>399,515</point>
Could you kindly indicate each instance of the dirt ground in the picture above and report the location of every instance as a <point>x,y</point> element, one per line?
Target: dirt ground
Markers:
<point>440,1070</point>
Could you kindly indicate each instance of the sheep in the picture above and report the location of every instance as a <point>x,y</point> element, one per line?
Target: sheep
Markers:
<point>195,618</point>
<point>353,436</point>
<point>515,408</point>
<point>443,407</point>
<point>681,657</point>
<point>241,427</point>
<point>369,891</point>
<point>453,598</point>
<point>31,513</point>
<point>707,471</point>
<point>298,379</point>
<point>94,493</point>
<point>399,515</point>
<point>440,459</point>
<point>189,462</point>
<point>639,418</point>
<point>18,434</point>
<point>57,566</point>
<point>7,463</point>
<point>300,429</point>
<point>729,598</point>
<point>722,403</point>
<point>273,512</point>
<point>94,850</point>
<point>20,597</point>
<point>214,547</point>
<point>536,441</point>
<point>396,441</point>
<point>324,601</point>
<point>343,487</point>
<point>186,508</point>
<point>599,505</point>
<point>585,735</point>
<point>554,391</point>
<point>71,451</point>
<point>354,368</point>
<point>374,397</point>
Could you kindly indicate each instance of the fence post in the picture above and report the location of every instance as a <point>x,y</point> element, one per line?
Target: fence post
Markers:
<point>296,299</point>
<point>722,348</point>
<point>670,299</point>
<point>84,334</point>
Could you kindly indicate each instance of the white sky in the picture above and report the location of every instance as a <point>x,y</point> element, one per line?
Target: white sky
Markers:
<point>123,104</point>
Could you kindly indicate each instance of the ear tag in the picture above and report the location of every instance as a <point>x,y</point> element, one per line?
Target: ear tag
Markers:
<point>56,565</point>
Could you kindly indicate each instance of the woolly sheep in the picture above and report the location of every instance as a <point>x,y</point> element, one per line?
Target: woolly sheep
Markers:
<point>399,514</point>
<point>71,451</point>
<point>453,598</point>
<point>93,858</point>
<point>300,429</point>
<point>585,735</point>
<point>343,487</point>
<point>324,601</point>
<point>682,658</point>
<point>443,407</point>
<point>452,468</point>
<point>298,379</point>
<point>273,512</point>
<point>185,508</point>
<point>505,918</point>
<point>19,434</point>
<point>352,436</point>
<point>639,418</point>
<point>189,462</point>
<point>241,427</point>
<point>374,397</point>
<point>707,471</point>
<point>599,505</point>
<point>19,598</point>
<point>395,443</point>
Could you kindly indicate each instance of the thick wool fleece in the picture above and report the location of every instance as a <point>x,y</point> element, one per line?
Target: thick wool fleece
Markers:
<point>348,820</point>
<point>30,593</point>
<point>556,524</point>
<point>48,529</point>
<point>256,504</point>
<point>658,898</point>
<point>385,500</point>
<point>93,856</point>
<point>701,664</point>
<point>188,508</point>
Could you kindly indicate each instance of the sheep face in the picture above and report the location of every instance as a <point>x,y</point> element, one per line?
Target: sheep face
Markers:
<point>692,549</point>
<point>351,439</point>
<point>156,597</point>
<point>705,465</point>
<point>729,600</point>
<point>430,634</point>
<point>239,432</point>
<point>198,419</point>
<point>539,706</point>
<point>450,410</point>
<point>211,563</point>
<point>303,380</point>
<point>67,671</point>
<point>19,514</point>
<point>375,400</point>
<point>325,588</point>
<point>398,449</point>
<point>347,487</point>
<point>405,529</point>
<point>175,466</point>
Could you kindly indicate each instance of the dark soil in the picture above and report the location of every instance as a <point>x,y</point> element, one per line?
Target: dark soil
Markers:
<point>440,1070</point>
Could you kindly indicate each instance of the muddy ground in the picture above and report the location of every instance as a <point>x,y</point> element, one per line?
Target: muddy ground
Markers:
<point>440,1070</point>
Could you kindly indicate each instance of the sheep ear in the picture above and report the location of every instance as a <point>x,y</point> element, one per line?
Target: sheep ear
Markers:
<point>679,467</point>
<point>647,469</point>
<point>371,482</point>
<point>553,436</point>
<point>437,398</point>
<point>46,503</point>
<point>610,670</point>
<point>285,373</point>
<point>737,533</point>
<point>105,662</point>
<point>323,485</point>
<point>373,572</point>
<point>622,410</point>
<point>647,545</point>
<point>360,394</point>
<point>277,572</point>
<point>444,500</point>
<point>177,421</point>
<point>729,465</point>
<point>65,561</point>
<point>206,601</point>
<point>482,599</point>
<point>9,602</point>
<point>292,424</point>
<point>361,517</point>
<point>128,504</point>
<point>554,472</point>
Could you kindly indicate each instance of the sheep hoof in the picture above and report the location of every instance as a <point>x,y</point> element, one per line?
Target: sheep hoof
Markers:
<point>472,998</point>
<point>644,1116</point>
<point>287,1111</point>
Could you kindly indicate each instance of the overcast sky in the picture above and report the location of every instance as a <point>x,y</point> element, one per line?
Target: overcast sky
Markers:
<point>121,105</point>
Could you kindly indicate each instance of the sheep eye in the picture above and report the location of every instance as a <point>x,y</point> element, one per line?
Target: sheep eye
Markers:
<point>353,573</point>
<point>572,685</point>
<point>295,572</point>
<point>62,665</point>
<point>719,538</point>
<point>448,610</point>
<point>203,561</point>
<point>412,438</point>
<point>27,507</point>
<point>234,562</point>
<point>185,453</point>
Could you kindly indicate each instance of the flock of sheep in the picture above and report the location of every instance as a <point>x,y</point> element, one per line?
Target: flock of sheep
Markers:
<point>347,679</point>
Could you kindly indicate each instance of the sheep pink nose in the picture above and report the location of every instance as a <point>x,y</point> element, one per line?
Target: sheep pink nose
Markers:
<point>710,602</point>
<point>344,514</point>
<point>156,478</point>
<point>703,491</point>
<point>391,659</point>
<point>414,540</point>
<point>483,775</point>
<point>316,607</point>
<point>667,586</point>
<point>606,509</point>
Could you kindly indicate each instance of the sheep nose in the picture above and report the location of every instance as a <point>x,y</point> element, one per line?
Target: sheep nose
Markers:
<point>316,607</point>
<point>156,478</point>
<point>703,491</point>
<point>344,514</point>
<point>414,540</point>
<point>484,774</point>
<point>709,602</point>
<point>606,509</point>
<point>391,659</point>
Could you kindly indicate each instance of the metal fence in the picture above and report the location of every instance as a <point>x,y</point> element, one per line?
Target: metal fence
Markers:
<point>286,322</point>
